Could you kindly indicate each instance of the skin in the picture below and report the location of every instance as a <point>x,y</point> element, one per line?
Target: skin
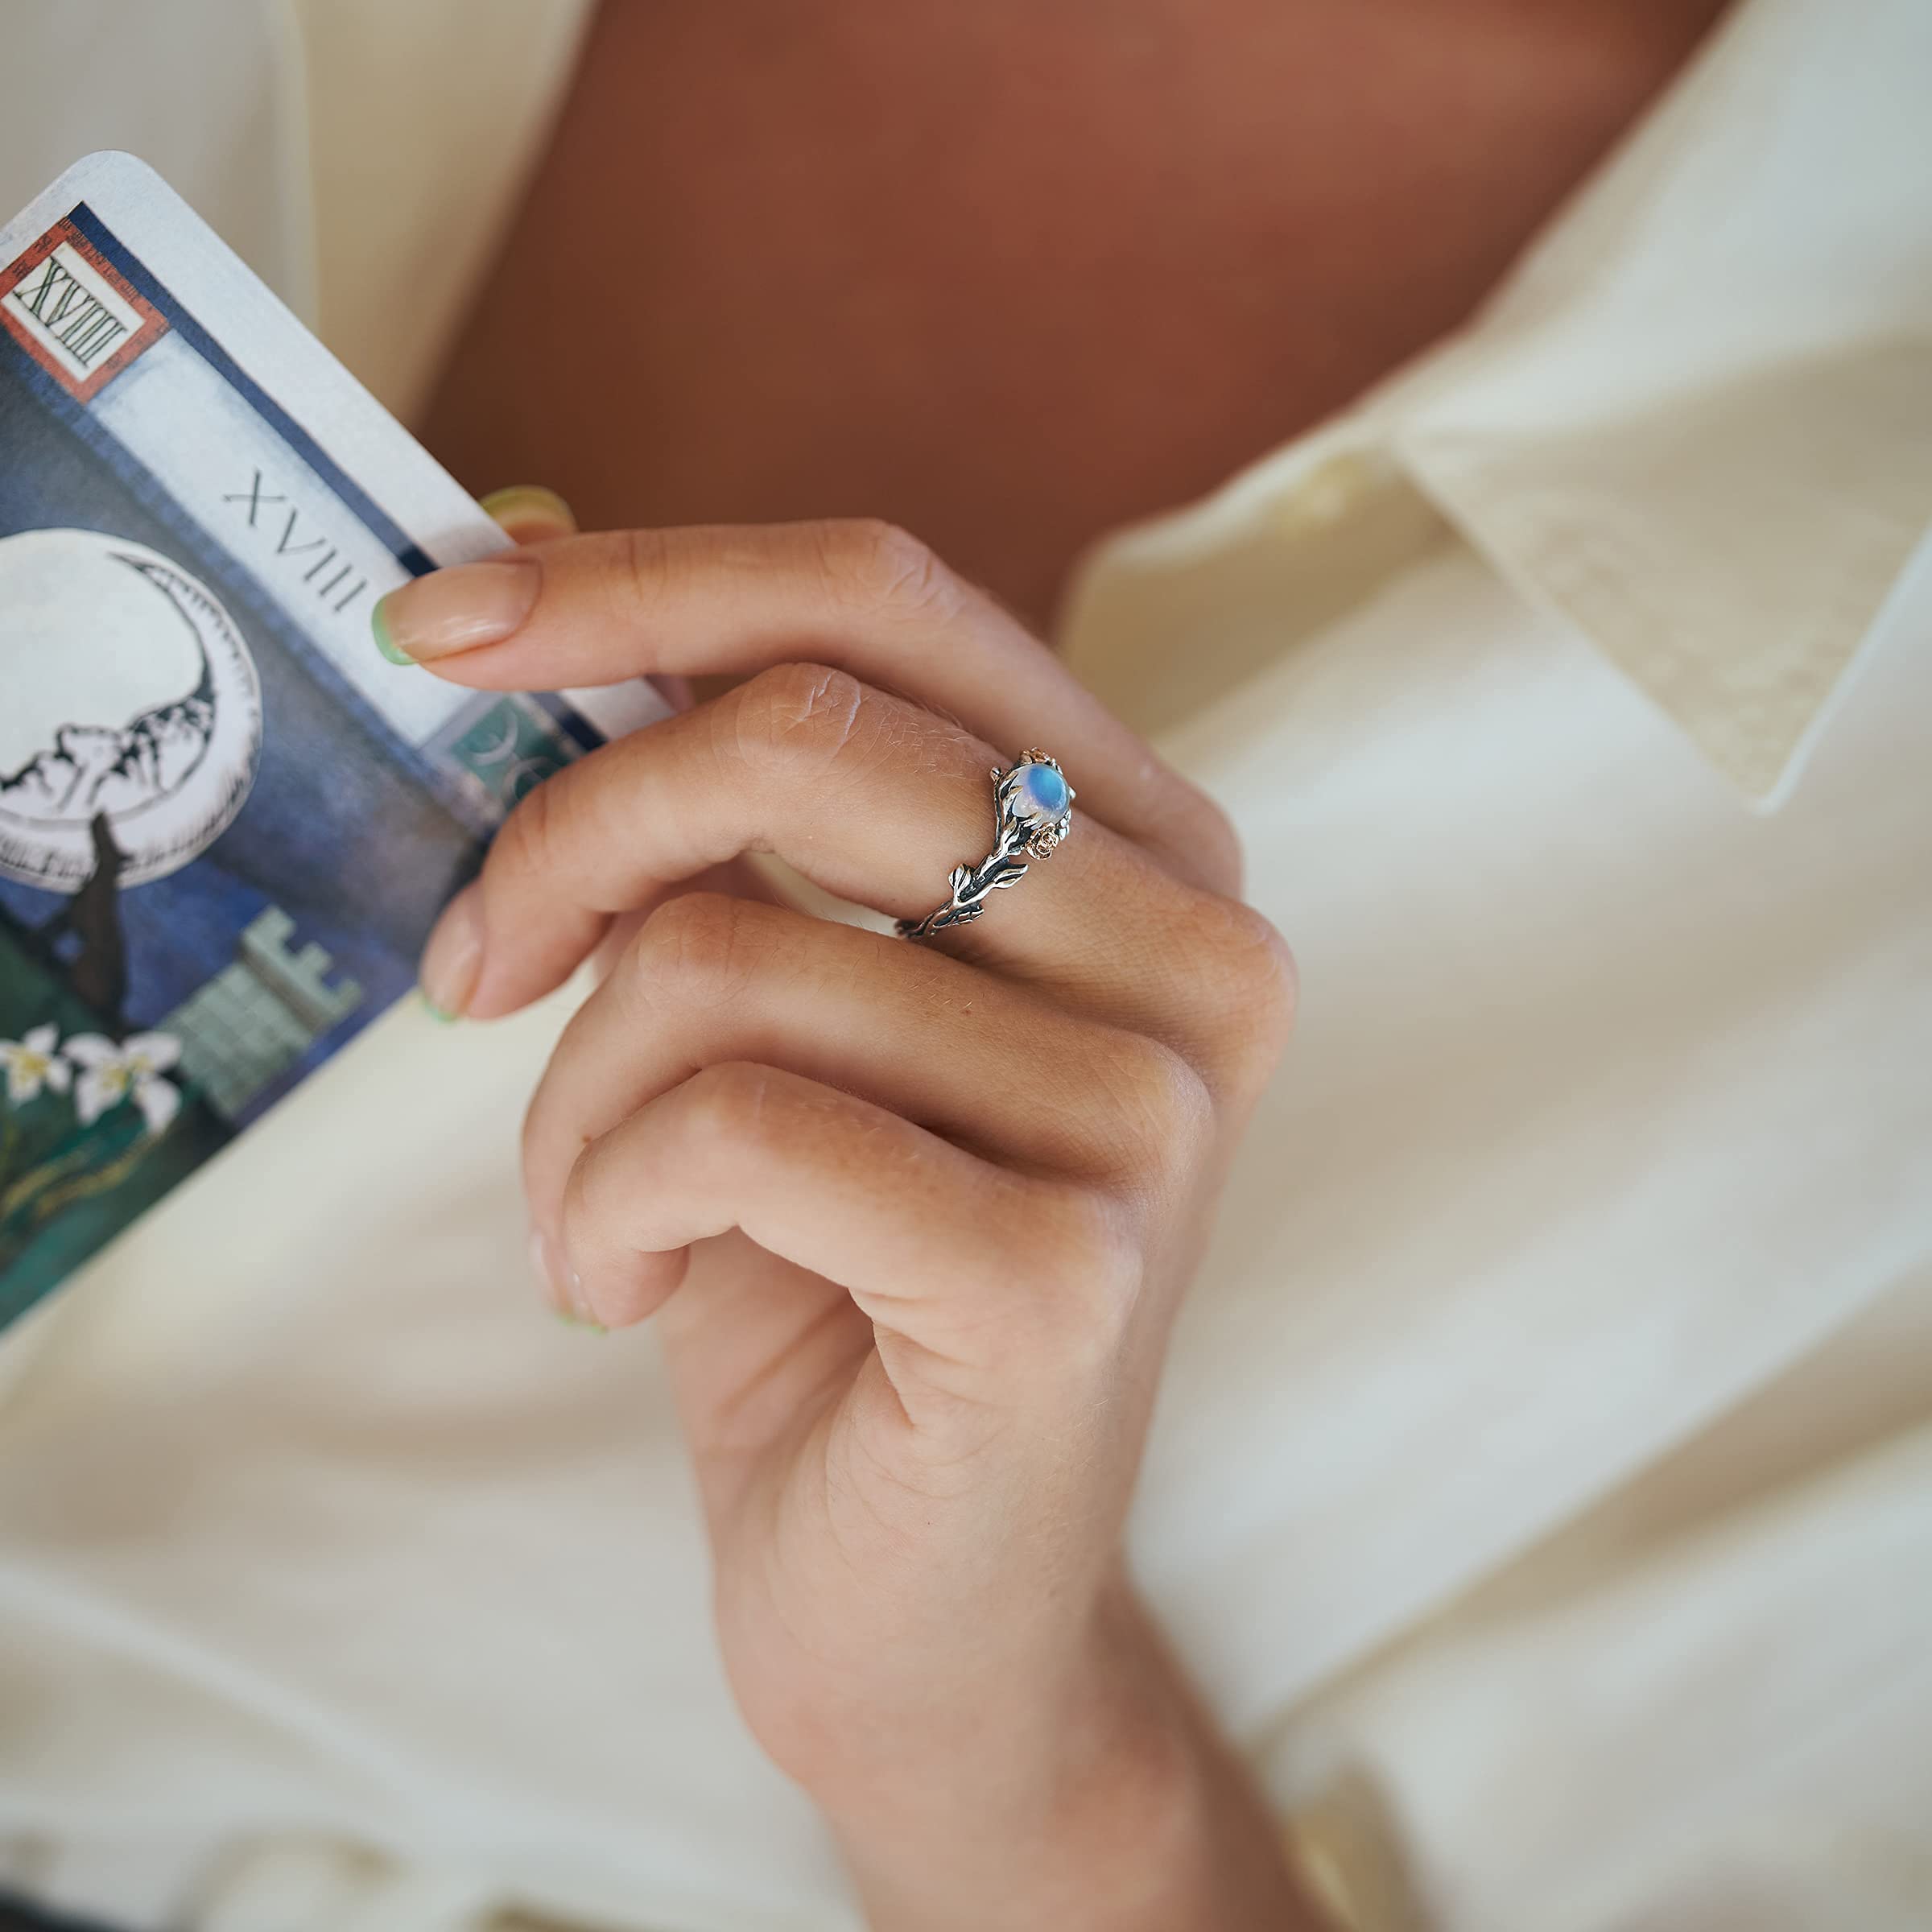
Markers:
<point>913,1220</point>
<point>1011,273</point>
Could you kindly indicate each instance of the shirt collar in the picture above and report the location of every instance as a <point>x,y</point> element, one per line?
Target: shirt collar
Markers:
<point>1696,420</point>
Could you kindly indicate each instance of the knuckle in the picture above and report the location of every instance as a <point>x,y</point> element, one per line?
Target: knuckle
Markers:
<point>1091,1269</point>
<point>587,1188</point>
<point>700,946</point>
<point>1212,839</point>
<point>644,569</point>
<point>1257,987</point>
<point>797,713</point>
<point>600,1198</point>
<point>869,566</point>
<point>729,1104</point>
<point>537,839</point>
<point>1160,1109</point>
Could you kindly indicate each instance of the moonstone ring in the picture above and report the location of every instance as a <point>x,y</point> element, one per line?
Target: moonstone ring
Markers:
<point>1033,811</point>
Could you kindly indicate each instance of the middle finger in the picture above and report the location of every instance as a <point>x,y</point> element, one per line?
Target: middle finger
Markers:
<point>872,797</point>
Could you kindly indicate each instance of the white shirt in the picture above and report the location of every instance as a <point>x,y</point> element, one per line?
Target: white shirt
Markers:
<point>1542,1485</point>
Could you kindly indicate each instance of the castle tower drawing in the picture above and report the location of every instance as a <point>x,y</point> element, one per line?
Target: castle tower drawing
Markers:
<point>256,1018</point>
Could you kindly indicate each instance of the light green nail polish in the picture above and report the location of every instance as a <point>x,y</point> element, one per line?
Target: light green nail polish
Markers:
<point>384,642</point>
<point>577,1321</point>
<point>529,503</point>
<point>440,1014</point>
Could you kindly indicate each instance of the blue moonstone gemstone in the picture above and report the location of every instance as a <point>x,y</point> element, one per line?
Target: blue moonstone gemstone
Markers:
<point>1043,791</point>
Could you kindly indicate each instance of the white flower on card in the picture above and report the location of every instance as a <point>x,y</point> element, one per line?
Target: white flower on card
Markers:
<point>33,1061</point>
<point>111,1075</point>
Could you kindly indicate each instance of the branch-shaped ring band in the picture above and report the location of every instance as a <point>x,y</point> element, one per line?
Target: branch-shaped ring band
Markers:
<point>1033,811</point>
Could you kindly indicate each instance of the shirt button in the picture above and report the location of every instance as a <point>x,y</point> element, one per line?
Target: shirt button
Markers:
<point>1330,490</point>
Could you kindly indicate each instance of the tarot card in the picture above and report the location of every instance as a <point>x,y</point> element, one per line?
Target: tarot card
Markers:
<point>226,823</point>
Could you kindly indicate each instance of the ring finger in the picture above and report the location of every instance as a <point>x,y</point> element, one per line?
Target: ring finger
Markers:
<point>870,797</point>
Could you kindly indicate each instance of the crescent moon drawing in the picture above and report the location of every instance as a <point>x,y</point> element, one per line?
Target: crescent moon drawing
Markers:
<point>130,692</point>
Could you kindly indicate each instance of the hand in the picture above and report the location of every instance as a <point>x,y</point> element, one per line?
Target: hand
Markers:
<point>915,1219</point>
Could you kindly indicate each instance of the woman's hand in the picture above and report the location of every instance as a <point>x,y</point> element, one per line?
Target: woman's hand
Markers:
<point>915,1219</point>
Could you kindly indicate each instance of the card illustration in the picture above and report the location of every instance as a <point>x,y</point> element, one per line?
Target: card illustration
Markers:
<point>226,824</point>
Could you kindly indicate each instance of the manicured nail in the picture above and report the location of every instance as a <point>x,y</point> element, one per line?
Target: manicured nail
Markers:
<point>452,961</point>
<point>562,1286</point>
<point>384,642</point>
<point>543,1264</point>
<point>461,609</point>
<point>530,513</point>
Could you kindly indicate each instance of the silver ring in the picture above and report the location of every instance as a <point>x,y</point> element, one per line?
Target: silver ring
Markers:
<point>1033,811</point>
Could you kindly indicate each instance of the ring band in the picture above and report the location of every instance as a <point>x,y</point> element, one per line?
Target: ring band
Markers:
<point>1033,811</point>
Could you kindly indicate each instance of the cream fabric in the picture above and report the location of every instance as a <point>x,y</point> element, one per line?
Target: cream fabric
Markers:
<point>208,92</point>
<point>424,121</point>
<point>1542,1487</point>
<point>1697,422</point>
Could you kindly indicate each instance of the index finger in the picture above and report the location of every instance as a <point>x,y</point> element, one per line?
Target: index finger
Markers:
<point>860,596</point>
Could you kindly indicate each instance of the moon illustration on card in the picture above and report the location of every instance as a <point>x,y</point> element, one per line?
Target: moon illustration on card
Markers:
<point>130,694</point>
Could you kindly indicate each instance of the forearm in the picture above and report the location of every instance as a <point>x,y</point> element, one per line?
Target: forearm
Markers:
<point>1115,1807</point>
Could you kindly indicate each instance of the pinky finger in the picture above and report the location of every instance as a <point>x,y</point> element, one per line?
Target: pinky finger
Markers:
<point>924,1234</point>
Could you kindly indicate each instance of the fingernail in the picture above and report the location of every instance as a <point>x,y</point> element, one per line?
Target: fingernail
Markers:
<point>562,1288</point>
<point>543,1262</point>
<point>384,642</point>
<point>452,961</point>
<point>530,512</point>
<point>461,609</point>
